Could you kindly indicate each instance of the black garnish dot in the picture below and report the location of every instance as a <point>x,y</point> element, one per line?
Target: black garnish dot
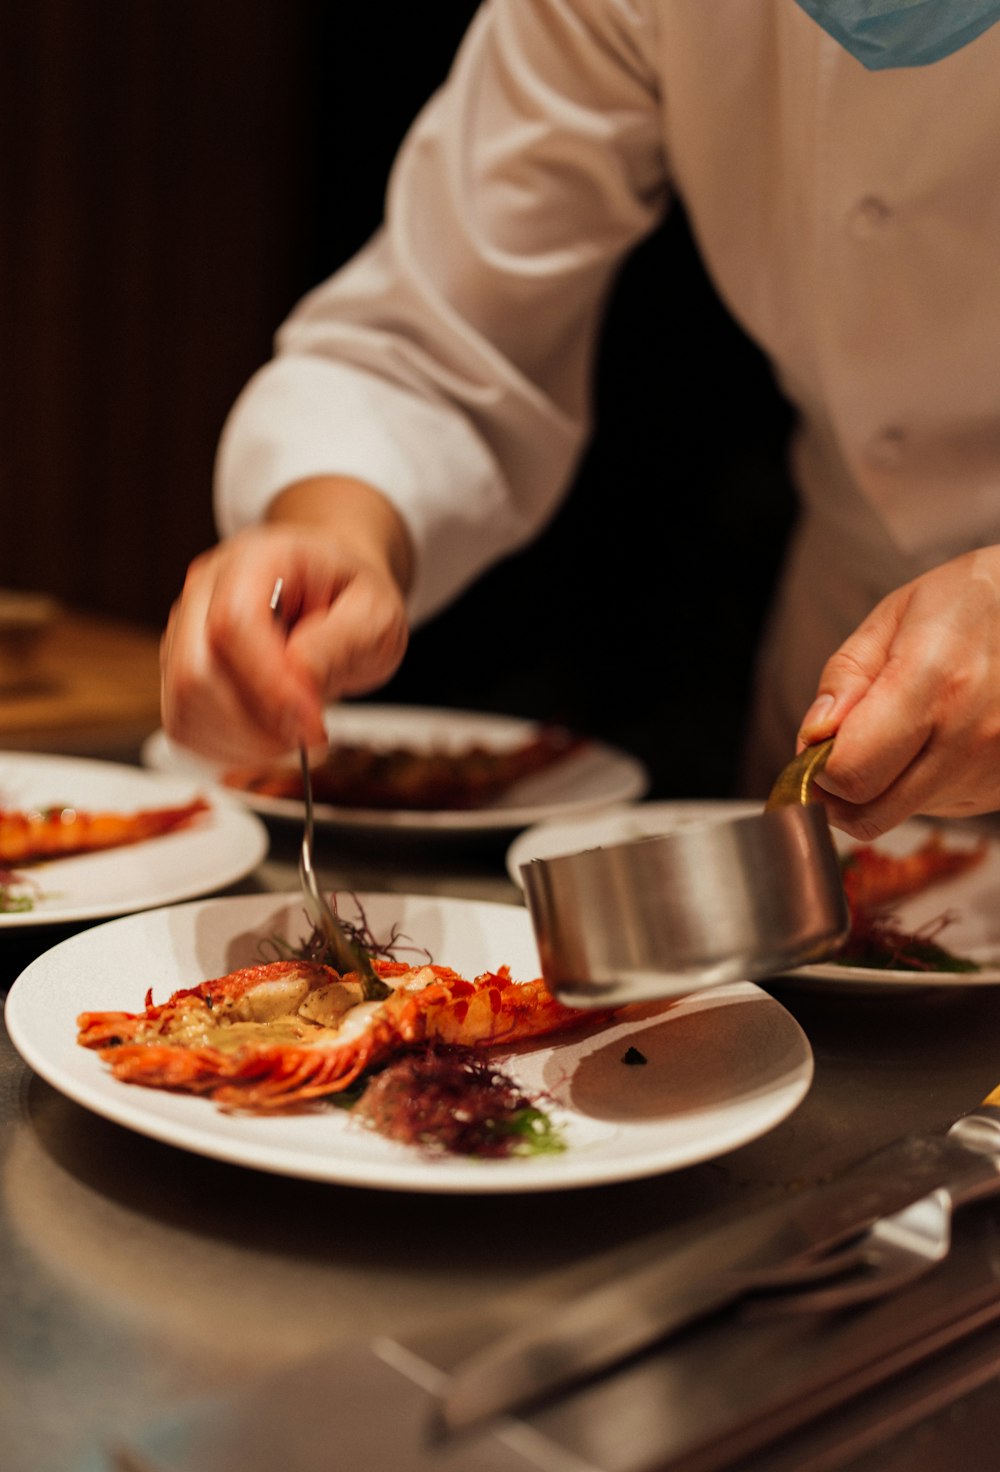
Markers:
<point>633,1056</point>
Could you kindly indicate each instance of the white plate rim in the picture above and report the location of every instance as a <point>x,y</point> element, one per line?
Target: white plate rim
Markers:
<point>222,848</point>
<point>623,775</point>
<point>197,1125</point>
<point>633,820</point>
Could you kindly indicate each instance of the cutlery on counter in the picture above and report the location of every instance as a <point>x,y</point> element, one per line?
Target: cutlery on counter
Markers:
<point>344,955</point>
<point>805,1393</point>
<point>876,1228</point>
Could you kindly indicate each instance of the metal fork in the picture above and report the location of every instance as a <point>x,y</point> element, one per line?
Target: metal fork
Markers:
<point>893,1252</point>
<point>343,953</point>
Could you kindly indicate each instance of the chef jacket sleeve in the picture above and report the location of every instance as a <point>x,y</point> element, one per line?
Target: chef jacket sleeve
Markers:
<point>449,363</point>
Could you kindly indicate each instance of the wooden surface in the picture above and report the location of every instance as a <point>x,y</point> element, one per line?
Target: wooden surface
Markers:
<point>92,684</point>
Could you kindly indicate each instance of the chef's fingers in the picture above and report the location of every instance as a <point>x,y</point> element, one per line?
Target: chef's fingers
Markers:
<point>915,702</point>
<point>229,689</point>
<point>357,641</point>
<point>850,673</point>
<point>913,791</point>
<point>254,645</point>
<point>210,718</point>
<point>243,685</point>
<point>869,696</point>
<point>205,710</point>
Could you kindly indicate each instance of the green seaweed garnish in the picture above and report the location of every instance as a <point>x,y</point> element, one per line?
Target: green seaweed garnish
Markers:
<point>534,1131</point>
<point>17,893</point>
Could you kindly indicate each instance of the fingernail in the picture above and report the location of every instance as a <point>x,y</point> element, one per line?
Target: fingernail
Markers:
<point>817,714</point>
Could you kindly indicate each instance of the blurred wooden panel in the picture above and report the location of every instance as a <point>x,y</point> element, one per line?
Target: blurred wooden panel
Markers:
<point>92,687</point>
<point>151,173</point>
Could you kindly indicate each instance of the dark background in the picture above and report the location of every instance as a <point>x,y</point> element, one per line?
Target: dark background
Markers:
<point>174,176</point>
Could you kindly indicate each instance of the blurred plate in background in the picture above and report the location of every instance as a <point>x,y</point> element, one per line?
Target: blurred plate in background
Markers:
<point>590,777</point>
<point>220,846</point>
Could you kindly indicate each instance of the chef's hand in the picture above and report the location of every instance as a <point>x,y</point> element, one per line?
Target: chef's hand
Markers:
<point>914,698</point>
<point>240,686</point>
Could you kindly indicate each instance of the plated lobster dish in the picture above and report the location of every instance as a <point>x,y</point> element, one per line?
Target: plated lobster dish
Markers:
<point>294,1034</point>
<point>60,832</point>
<point>34,836</point>
<point>361,775</point>
<point>874,881</point>
<point>288,1034</point>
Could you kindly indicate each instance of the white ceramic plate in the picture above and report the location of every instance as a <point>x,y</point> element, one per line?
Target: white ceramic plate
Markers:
<point>220,846</point>
<point>592,777</point>
<point>971,899</point>
<point>723,1067</point>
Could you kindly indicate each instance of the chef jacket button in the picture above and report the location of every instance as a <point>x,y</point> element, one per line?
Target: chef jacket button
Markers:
<point>868,216</point>
<point>885,450</point>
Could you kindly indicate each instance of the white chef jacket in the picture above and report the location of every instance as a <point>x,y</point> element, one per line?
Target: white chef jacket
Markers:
<point>849,219</point>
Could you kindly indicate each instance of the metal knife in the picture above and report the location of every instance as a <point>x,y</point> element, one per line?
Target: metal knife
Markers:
<point>732,1258</point>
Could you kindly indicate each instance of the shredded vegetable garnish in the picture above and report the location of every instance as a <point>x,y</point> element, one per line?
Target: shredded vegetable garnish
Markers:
<point>313,947</point>
<point>878,941</point>
<point>451,1100</point>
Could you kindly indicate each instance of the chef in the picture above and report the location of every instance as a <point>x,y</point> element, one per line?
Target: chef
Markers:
<point>426,407</point>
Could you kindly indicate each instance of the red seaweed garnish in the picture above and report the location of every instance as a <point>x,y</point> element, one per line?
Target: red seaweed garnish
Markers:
<point>360,933</point>
<point>314,947</point>
<point>449,1100</point>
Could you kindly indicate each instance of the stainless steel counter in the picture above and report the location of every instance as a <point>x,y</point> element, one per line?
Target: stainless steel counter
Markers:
<point>134,1275</point>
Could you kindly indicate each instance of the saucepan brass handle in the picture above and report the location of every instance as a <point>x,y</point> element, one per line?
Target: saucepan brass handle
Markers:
<point>794,785</point>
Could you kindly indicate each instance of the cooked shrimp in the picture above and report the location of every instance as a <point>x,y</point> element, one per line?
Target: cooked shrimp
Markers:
<point>56,833</point>
<point>289,1032</point>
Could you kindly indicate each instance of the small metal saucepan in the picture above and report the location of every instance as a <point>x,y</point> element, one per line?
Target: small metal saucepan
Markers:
<point>728,900</point>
